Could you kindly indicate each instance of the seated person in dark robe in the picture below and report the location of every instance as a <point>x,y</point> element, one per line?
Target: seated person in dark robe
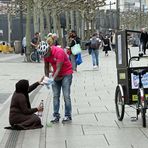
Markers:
<point>22,116</point>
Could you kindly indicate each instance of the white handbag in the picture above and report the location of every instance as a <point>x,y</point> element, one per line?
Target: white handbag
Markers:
<point>76,49</point>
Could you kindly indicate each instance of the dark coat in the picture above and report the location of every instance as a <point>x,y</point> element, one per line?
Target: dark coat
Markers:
<point>21,113</point>
<point>107,43</point>
<point>144,37</point>
<point>76,40</point>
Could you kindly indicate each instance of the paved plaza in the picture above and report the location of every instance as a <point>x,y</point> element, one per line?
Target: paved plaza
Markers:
<point>94,123</point>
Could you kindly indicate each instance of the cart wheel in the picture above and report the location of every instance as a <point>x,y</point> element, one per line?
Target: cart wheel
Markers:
<point>33,57</point>
<point>119,102</point>
<point>143,111</point>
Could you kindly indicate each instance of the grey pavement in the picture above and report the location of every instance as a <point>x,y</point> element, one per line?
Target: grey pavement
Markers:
<point>94,123</point>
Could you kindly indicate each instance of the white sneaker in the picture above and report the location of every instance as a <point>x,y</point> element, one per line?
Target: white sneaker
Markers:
<point>95,66</point>
<point>66,119</point>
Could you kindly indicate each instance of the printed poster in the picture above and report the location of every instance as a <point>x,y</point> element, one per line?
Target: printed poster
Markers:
<point>119,50</point>
<point>135,81</point>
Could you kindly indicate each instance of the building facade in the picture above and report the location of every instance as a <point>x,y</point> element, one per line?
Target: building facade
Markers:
<point>133,5</point>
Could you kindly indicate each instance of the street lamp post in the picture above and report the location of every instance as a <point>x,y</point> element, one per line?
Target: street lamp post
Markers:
<point>118,15</point>
<point>21,21</point>
<point>111,14</point>
<point>110,5</point>
<point>140,13</point>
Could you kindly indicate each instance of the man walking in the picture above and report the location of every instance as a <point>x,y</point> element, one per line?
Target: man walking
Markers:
<point>143,39</point>
<point>34,44</point>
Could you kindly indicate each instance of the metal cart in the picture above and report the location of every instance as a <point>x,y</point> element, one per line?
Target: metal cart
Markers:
<point>129,59</point>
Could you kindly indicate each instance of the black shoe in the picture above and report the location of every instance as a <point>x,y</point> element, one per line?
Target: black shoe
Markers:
<point>66,119</point>
<point>55,120</point>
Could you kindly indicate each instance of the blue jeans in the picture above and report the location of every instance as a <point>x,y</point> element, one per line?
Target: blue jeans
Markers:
<point>65,84</point>
<point>73,62</point>
<point>95,57</point>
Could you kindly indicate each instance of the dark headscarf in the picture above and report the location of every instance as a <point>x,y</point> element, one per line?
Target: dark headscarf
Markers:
<point>22,86</point>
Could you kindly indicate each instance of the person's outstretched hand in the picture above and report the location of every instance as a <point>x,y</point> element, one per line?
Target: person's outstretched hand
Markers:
<point>41,81</point>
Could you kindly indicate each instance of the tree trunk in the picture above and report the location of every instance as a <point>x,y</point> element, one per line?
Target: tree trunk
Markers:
<point>92,26</point>
<point>21,22</point>
<point>78,23</point>
<point>72,20</point>
<point>36,16</point>
<point>87,30</point>
<point>82,26</point>
<point>67,22</point>
<point>59,30</point>
<point>9,27</point>
<point>28,30</point>
<point>41,22</point>
<point>48,23</point>
<point>54,21</point>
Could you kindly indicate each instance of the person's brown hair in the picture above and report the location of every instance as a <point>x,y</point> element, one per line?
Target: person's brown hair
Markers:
<point>72,34</point>
<point>36,33</point>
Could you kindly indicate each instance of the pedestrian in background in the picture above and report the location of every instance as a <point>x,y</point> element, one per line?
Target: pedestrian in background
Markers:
<point>143,39</point>
<point>94,47</point>
<point>74,39</point>
<point>34,43</point>
<point>106,44</point>
<point>55,38</point>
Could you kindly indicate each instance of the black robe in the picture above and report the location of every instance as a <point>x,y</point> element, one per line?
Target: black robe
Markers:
<point>21,114</point>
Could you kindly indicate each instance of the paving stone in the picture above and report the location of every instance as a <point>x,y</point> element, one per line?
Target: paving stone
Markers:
<point>133,136</point>
<point>89,141</point>
<point>4,97</point>
<point>94,123</point>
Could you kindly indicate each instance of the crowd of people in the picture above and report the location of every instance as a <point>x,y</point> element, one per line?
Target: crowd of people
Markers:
<point>59,65</point>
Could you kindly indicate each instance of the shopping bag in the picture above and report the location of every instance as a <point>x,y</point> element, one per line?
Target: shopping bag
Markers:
<point>76,49</point>
<point>47,81</point>
<point>79,59</point>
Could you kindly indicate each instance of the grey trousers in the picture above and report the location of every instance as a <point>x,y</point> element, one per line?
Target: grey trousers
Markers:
<point>73,61</point>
